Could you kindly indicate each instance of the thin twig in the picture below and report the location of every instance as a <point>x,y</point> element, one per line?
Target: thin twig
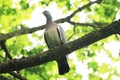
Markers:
<point>31,30</point>
<point>4,47</point>
<point>66,19</point>
<point>83,24</point>
<point>81,8</point>
<point>116,36</point>
<point>17,76</point>
<point>74,32</point>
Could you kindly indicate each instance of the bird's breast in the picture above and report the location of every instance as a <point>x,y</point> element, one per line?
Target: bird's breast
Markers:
<point>52,37</point>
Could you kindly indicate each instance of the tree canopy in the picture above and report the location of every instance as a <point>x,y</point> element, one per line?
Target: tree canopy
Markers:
<point>93,41</point>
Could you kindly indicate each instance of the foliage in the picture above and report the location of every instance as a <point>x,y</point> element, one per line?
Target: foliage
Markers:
<point>13,12</point>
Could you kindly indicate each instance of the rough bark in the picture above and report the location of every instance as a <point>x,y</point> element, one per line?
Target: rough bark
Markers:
<point>53,54</point>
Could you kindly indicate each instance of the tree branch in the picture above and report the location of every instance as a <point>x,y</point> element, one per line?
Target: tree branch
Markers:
<point>57,52</point>
<point>3,78</point>
<point>18,76</point>
<point>67,19</point>
<point>81,8</point>
<point>4,47</point>
<point>31,30</point>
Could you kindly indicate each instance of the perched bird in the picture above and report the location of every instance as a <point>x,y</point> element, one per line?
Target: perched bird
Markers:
<point>54,36</point>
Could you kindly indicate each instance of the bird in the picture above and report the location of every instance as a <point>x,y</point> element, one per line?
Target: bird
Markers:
<point>54,36</point>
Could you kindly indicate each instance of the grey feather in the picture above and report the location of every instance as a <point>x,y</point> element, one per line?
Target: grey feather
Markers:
<point>61,34</point>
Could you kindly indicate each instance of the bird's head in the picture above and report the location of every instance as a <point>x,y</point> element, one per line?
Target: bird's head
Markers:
<point>47,15</point>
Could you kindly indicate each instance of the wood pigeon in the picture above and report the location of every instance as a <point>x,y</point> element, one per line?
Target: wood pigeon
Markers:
<point>54,36</point>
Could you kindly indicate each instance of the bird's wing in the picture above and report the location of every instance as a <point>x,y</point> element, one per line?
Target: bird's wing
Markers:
<point>61,34</point>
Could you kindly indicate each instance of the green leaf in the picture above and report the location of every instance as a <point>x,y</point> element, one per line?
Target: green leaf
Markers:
<point>93,65</point>
<point>104,68</point>
<point>24,4</point>
<point>94,77</point>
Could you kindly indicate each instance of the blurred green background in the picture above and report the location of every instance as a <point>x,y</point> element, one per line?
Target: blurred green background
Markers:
<point>99,61</point>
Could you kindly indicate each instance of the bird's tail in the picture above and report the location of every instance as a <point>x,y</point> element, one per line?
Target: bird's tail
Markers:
<point>63,65</point>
